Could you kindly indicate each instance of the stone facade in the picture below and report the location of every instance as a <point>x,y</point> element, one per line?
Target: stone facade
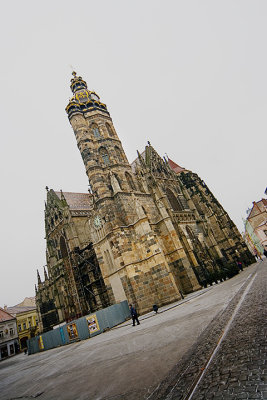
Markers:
<point>153,229</point>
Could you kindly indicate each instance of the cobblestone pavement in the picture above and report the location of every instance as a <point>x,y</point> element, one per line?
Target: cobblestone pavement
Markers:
<point>163,357</point>
<point>227,362</point>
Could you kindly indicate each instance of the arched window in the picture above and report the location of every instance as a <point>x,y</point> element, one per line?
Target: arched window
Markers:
<point>118,153</point>
<point>176,206</point>
<point>95,131</point>
<point>109,129</point>
<point>63,247</point>
<point>130,181</point>
<point>104,154</point>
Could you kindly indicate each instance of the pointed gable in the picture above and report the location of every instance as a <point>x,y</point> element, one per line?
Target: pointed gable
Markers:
<point>254,211</point>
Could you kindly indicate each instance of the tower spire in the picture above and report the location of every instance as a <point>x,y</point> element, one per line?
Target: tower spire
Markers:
<point>45,274</point>
<point>38,278</point>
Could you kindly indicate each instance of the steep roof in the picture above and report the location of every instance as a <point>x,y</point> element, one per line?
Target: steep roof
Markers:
<point>27,302</point>
<point>5,316</point>
<point>176,168</point>
<point>257,208</point>
<point>20,309</point>
<point>77,201</point>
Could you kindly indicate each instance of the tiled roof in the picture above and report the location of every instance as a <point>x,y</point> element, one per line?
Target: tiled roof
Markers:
<point>77,201</point>
<point>175,166</point>
<point>19,309</point>
<point>5,316</point>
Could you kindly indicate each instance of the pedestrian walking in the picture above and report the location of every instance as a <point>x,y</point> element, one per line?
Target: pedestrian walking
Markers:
<point>240,266</point>
<point>134,314</point>
<point>155,308</point>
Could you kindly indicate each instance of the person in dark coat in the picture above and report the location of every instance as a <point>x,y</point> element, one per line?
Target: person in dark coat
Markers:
<point>134,314</point>
<point>240,266</point>
<point>155,308</point>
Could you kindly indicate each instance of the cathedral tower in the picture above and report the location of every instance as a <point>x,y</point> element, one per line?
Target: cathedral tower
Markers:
<point>128,249</point>
<point>105,162</point>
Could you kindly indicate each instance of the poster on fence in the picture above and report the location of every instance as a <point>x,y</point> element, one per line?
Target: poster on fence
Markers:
<point>40,343</point>
<point>72,331</point>
<point>93,325</point>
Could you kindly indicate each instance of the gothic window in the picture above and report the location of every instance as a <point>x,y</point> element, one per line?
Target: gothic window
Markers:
<point>176,206</point>
<point>95,130</point>
<point>110,132</point>
<point>118,153</point>
<point>104,154</point>
<point>130,181</point>
<point>63,247</point>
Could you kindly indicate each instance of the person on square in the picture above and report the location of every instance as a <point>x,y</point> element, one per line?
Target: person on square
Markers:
<point>134,314</point>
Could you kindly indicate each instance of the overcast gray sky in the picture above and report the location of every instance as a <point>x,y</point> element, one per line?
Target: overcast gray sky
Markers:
<point>190,76</point>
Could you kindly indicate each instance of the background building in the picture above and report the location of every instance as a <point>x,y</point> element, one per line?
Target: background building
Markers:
<point>9,344</point>
<point>147,232</point>
<point>26,320</point>
<point>256,227</point>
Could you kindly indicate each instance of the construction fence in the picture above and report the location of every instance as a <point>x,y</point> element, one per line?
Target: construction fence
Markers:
<point>81,328</point>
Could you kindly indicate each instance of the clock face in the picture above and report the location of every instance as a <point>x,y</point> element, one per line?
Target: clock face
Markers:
<point>97,222</point>
<point>82,96</point>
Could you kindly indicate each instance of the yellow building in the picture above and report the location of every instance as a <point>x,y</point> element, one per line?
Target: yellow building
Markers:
<point>27,320</point>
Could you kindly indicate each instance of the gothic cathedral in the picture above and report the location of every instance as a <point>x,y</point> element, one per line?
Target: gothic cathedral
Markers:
<point>147,232</point>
